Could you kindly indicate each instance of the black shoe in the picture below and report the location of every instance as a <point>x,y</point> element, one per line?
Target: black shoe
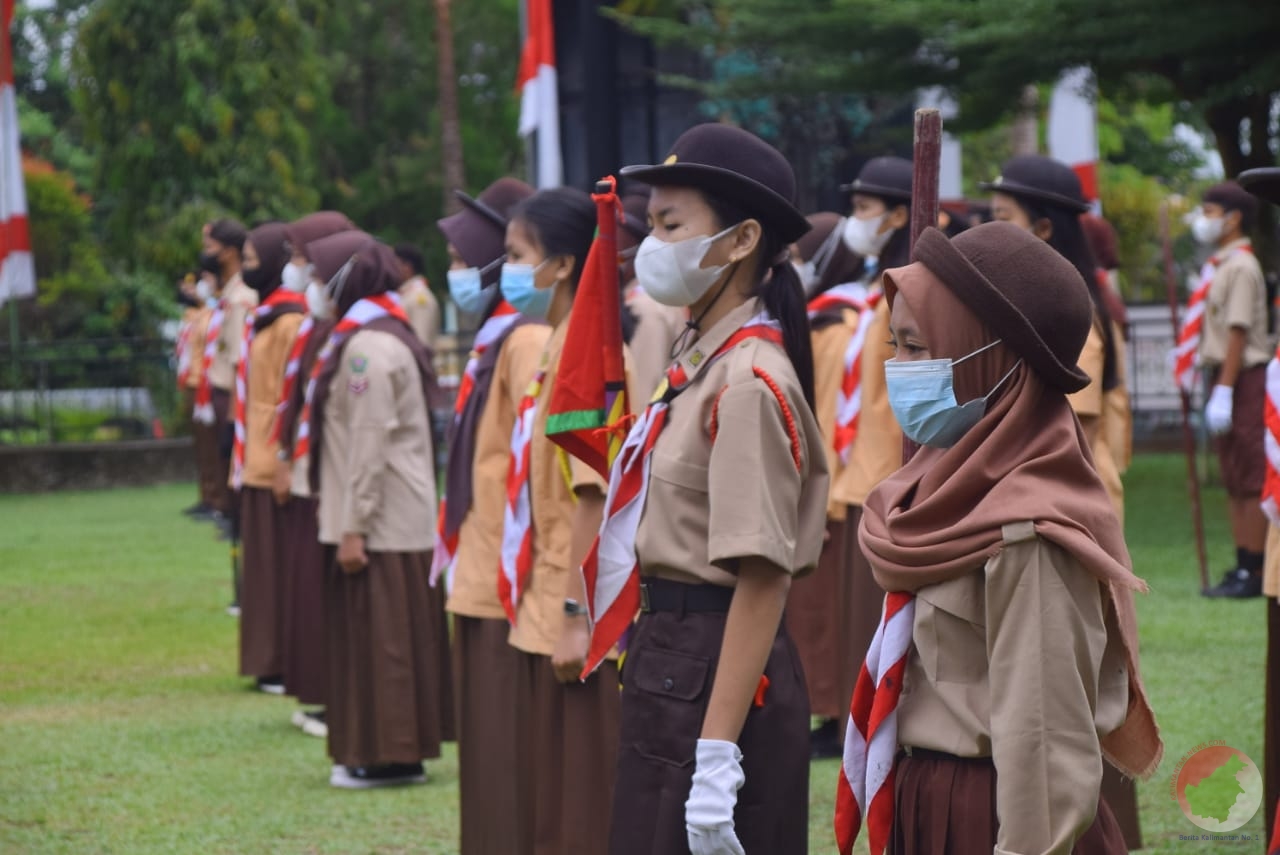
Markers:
<point>1237,584</point>
<point>199,509</point>
<point>824,741</point>
<point>372,777</point>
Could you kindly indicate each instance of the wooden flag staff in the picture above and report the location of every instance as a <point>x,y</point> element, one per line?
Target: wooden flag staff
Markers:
<point>925,168</point>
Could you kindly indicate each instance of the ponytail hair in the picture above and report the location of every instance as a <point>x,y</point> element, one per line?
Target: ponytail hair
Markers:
<point>778,286</point>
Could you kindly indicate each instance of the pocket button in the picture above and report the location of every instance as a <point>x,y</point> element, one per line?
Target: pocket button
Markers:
<point>668,684</point>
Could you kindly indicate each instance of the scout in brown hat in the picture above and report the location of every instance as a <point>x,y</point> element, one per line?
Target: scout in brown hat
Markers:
<point>713,753</point>
<point>504,359</point>
<point>1001,551</point>
<point>1234,351</point>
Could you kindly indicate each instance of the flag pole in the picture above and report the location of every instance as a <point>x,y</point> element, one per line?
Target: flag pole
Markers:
<point>926,168</point>
<point>1188,436</point>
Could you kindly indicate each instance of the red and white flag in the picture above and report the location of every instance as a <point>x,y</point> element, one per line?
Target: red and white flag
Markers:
<point>539,94</point>
<point>1271,442</point>
<point>1073,128</point>
<point>17,270</point>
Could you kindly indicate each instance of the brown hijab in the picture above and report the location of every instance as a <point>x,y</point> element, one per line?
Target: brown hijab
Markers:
<point>941,516</point>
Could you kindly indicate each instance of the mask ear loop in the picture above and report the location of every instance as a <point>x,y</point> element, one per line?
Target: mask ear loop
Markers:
<point>983,349</point>
<point>695,324</point>
<point>339,281</point>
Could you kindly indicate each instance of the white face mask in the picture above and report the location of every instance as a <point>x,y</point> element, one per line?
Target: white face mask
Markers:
<point>672,273</point>
<point>864,236</point>
<point>317,302</point>
<point>807,273</point>
<point>204,291</point>
<point>1206,230</point>
<point>296,277</point>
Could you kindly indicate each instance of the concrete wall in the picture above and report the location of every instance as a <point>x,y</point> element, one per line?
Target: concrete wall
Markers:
<point>95,466</point>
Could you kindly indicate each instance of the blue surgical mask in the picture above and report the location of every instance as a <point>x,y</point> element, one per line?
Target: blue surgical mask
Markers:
<point>519,290</point>
<point>923,399</point>
<point>466,287</point>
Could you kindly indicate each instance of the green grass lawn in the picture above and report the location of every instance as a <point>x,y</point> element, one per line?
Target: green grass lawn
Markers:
<point>124,729</point>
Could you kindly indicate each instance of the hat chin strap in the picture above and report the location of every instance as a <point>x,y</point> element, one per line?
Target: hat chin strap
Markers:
<point>695,324</point>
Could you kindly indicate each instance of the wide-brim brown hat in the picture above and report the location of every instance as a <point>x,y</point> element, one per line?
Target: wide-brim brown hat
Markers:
<point>734,166</point>
<point>1263,183</point>
<point>1034,176</point>
<point>1028,294</point>
<point>887,177</point>
<point>479,230</point>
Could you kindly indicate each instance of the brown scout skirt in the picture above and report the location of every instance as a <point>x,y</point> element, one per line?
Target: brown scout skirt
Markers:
<point>204,439</point>
<point>385,683</point>
<point>302,557</point>
<point>262,589</point>
<point>1241,450</point>
<point>1271,749</point>
<point>832,615</point>
<point>486,670</point>
<point>946,805</point>
<point>567,756</point>
<point>667,678</point>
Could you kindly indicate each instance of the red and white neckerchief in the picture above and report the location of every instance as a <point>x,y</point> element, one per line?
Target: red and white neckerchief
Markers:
<point>850,295</point>
<point>446,549</point>
<point>1188,346</point>
<point>291,369</point>
<point>864,791</point>
<point>386,305</point>
<point>611,571</point>
<point>1271,441</point>
<point>182,352</point>
<point>516,560</point>
<point>278,297</point>
<point>849,400</point>
<point>203,412</point>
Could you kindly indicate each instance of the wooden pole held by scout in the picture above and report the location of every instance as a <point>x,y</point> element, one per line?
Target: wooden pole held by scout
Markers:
<point>1188,435</point>
<point>926,166</point>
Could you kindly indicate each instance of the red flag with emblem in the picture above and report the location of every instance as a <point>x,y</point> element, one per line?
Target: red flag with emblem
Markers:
<point>17,271</point>
<point>589,405</point>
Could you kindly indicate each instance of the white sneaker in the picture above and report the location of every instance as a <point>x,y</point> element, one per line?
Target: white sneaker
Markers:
<point>299,719</point>
<point>345,778</point>
<point>316,727</point>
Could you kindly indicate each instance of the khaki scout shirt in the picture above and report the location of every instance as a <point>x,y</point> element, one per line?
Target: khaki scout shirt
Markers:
<point>553,476</point>
<point>1020,661</point>
<point>195,345</point>
<point>475,577</point>
<point>423,310</point>
<point>238,300</point>
<point>267,359</point>
<point>1237,298</point>
<point>657,328</point>
<point>1092,402</point>
<point>877,451</point>
<point>1271,570</point>
<point>829,346</point>
<point>757,489</point>
<point>377,474</point>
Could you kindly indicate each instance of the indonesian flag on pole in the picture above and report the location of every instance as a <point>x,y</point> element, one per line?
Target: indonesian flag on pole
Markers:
<point>539,96</point>
<point>1073,128</point>
<point>17,271</point>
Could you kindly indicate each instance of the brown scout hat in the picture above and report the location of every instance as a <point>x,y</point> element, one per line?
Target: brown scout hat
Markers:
<point>479,230</point>
<point>1232,197</point>
<point>1028,294</point>
<point>1263,183</point>
<point>1034,176</point>
<point>887,177</point>
<point>736,166</point>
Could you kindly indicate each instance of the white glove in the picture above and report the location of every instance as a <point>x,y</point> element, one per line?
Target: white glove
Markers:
<point>1217,413</point>
<point>708,814</point>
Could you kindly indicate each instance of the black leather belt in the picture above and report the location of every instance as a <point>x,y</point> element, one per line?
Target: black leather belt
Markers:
<point>664,595</point>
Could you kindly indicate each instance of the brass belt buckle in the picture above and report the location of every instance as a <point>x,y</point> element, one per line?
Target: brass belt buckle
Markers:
<point>644,598</point>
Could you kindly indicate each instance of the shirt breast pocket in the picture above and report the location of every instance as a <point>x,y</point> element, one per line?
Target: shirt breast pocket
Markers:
<point>680,473</point>
<point>950,630</point>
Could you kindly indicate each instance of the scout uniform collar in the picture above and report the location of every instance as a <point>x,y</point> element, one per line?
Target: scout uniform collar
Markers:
<point>698,355</point>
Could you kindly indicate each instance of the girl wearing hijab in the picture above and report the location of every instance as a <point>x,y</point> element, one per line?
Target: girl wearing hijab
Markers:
<point>727,481</point>
<point>298,563</point>
<point>823,606</point>
<point>267,336</point>
<point>504,357</point>
<point>569,728</point>
<point>1008,656</point>
<point>368,428</point>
